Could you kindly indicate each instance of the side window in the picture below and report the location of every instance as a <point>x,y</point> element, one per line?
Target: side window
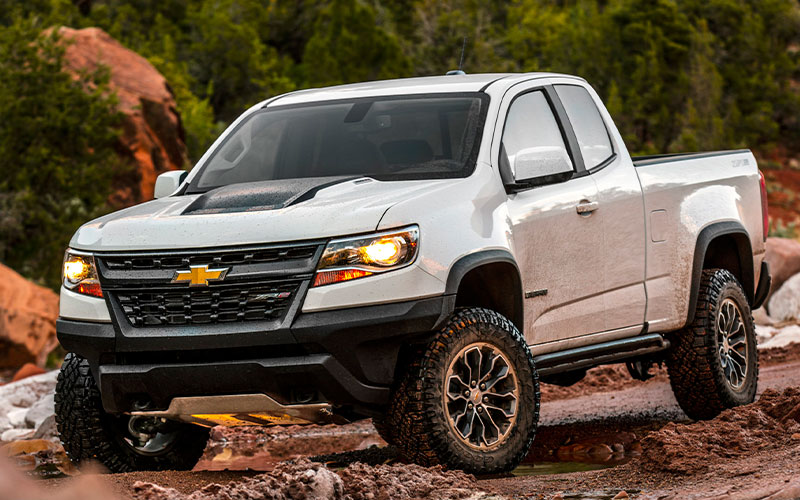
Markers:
<point>590,130</point>
<point>532,142</point>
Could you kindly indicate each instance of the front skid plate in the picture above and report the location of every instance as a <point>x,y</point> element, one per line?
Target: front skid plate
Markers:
<point>243,409</point>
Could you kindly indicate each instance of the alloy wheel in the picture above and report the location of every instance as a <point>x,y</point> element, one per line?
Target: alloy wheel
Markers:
<point>732,343</point>
<point>481,394</point>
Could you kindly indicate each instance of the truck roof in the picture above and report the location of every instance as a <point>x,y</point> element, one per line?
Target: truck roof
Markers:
<point>402,86</point>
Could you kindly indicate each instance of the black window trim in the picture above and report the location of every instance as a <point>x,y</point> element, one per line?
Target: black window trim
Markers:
<point>613,156</point>
<point>567,135</point>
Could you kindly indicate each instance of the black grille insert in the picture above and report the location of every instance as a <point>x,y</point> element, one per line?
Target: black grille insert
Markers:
<point>232,257</point>
<point>214,304</point>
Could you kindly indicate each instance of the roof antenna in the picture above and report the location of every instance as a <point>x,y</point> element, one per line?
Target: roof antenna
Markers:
<point>459,71</point>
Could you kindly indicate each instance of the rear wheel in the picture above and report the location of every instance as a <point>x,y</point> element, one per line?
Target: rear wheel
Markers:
<point>469,399</point>
<point>713,364</point>
<point>121,443</point>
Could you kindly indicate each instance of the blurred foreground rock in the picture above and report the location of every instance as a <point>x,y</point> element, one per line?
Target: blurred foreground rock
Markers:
<point>28,315</point>
<point>153,136</point>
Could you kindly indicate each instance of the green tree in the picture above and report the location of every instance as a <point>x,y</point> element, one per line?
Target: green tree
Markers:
<point>348,46</point>
<point>703,119</point>
<point>231,64</point>
<point>440,28</point>
<point>57,138</point>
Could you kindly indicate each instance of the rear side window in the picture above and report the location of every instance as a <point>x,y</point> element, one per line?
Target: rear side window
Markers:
<point>590,130</point>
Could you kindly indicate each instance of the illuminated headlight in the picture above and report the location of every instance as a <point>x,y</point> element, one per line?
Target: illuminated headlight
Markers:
<point>353,258</point>
<point>80,274</point>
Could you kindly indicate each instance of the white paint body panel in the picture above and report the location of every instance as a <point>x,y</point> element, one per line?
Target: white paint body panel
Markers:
<point>693,194</point>
<point>72,305</point>
<point>606,274</point>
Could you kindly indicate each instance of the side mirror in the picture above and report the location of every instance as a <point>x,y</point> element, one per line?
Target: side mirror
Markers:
<point>168,182</point>
<point>541,161</point>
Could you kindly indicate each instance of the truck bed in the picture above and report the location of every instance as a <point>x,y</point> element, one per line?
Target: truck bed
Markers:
<point>683,193</point>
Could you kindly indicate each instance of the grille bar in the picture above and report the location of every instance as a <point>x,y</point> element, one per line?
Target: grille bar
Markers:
<point>262,283</point>
<point>215,304</point>
<point>227,257</point>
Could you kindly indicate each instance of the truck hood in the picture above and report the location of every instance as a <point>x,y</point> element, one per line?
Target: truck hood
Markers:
<point>270,212</point>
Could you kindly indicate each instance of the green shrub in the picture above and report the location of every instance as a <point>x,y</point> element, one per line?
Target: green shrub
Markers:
<point>57,137</point>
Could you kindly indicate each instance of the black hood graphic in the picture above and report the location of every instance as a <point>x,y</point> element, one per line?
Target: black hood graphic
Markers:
<point>258,196</point>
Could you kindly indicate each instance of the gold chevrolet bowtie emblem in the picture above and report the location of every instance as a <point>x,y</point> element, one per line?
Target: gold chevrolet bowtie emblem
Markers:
<point>199,275</point>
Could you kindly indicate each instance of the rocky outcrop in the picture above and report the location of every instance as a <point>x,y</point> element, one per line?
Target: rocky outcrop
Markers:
<point>153,137</point>
<point>785,303</point>
<point>28,315</point>
<point>783,257</point>
<point>26,408</point>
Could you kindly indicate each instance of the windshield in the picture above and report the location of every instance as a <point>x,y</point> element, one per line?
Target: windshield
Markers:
<point>387,138</point>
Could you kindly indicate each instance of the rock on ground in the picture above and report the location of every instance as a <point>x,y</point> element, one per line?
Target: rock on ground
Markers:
<point>26,405</point>
<point>785,303</point>
<point>761,317</point>
<point>770,423</point>
<point>153,136</point>
<point>387,482</point>
<point>304,479</point>
<point>783,257</point>
<point>39,411</point>
<point>295,479</point>
<point>28,315</point>
<point>770,337</point>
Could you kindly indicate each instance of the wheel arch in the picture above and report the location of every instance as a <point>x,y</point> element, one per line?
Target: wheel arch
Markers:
<point>723,245</point>
<point>491,279</point>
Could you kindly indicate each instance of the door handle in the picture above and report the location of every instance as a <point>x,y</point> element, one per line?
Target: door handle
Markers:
<point>586,207</point>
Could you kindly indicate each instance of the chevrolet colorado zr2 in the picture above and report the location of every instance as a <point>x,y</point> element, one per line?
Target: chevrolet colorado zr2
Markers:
<point>424,252</point>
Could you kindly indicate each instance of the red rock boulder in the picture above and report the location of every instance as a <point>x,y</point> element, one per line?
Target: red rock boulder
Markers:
<point>783,256</point>
<point>28,315</point>
<point>153,136</point>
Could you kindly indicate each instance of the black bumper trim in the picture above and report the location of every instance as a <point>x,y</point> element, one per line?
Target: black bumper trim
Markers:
<point>346,357</point>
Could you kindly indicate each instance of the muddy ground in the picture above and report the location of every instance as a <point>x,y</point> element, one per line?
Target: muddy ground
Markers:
<point>608,436</point>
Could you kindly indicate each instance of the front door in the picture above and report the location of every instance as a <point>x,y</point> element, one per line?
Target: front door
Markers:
<point>558,240</point>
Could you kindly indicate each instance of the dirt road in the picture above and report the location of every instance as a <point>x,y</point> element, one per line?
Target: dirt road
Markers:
<point>581,428</point>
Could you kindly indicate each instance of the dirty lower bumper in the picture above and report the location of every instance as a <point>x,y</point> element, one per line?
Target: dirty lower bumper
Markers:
<point>343,357</point>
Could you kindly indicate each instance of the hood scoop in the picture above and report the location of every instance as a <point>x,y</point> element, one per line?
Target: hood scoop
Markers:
<point>259,196</point>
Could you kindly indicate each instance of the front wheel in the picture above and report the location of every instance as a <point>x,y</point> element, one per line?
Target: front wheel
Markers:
<point>121,443</point>
<point>713,363</point>
<point>469,399</point>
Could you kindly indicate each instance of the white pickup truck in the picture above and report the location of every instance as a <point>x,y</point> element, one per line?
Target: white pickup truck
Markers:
<point>424,252</point>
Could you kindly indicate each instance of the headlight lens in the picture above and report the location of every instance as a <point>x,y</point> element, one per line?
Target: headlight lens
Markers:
<point>353,258</point>
<point>80,274</point>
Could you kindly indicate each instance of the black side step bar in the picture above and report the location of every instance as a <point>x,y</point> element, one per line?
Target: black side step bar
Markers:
<point>599,354</point>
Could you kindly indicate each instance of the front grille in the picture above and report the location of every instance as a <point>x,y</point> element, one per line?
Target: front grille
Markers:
<point>215,304</point>
<point>232,257</point>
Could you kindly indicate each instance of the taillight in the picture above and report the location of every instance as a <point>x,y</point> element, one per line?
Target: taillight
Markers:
<point>764,204</point>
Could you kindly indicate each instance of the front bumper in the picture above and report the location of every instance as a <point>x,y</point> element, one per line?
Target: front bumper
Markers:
<point>344,357</point>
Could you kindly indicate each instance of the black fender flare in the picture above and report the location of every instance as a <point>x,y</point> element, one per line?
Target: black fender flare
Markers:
<point>481,258</point>
<point>704,239</point>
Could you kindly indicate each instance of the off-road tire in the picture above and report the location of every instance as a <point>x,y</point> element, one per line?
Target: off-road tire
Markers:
<point>695,371</point>
<point>382,428</point>
<point>416,422</point>
<point>90,434</point>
